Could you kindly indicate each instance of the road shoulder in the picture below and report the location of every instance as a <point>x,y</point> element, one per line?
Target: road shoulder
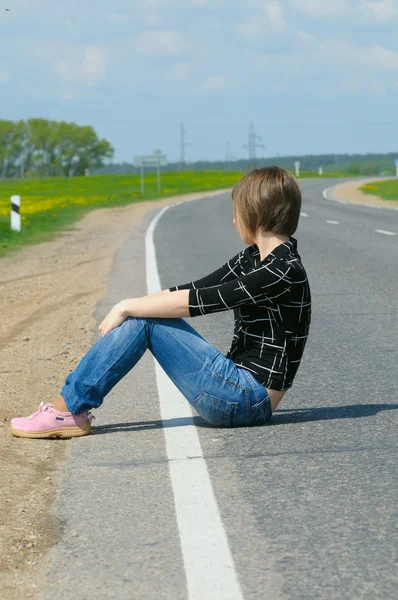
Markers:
<point>350,192</point>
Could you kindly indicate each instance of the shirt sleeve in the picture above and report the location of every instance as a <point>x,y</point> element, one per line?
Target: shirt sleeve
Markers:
<point>227,272</point>
<point>264,286</point>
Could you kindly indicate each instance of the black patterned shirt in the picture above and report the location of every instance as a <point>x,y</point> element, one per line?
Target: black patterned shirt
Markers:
<point>271,300</point>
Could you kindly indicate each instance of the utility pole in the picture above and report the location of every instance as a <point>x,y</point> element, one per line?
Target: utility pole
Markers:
<point>158,153</point>
<point>183,143</point>
<point>252,144</point>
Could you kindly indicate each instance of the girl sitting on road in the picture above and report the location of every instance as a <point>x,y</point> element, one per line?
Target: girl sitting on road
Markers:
<point>267,287</point>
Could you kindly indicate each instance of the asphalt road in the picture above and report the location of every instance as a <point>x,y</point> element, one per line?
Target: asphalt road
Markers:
<point>308,503</point>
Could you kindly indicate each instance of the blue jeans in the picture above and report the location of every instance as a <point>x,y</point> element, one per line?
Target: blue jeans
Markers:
<point>223,394</point>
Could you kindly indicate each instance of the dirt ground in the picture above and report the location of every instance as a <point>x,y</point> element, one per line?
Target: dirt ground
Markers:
<point>48,293</point>
<point>350,192</point>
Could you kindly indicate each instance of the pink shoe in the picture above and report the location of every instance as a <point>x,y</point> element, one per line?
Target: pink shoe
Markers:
<point>47,422</point>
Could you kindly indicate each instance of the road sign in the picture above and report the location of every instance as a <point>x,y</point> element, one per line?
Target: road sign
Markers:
<point>157,159</point>
<point>151,160</point>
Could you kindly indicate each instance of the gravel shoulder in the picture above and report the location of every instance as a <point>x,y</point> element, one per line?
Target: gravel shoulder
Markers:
<point>350,192</point>
<point>48,294</point>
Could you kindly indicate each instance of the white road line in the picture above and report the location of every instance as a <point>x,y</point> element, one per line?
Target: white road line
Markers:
<point>385,232</point>
<point>327,196</point>
<point>333,222</point>
<point>303,214</point>
<point>209,566</point>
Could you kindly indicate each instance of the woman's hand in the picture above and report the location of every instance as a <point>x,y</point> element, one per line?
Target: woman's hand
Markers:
<point>113,319</point>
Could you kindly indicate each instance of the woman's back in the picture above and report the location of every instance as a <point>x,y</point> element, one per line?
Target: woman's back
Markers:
<point>270,334</point>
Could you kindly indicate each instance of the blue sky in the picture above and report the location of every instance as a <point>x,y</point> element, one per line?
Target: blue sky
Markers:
<point>313,76</point>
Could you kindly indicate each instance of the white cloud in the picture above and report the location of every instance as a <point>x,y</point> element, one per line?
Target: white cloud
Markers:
<point>357,87</point>
<point>66,71</point>
<point>352,86</point>
<point>353,11</point>
<point>160,42</point>
<point>211,4</point>
<point>320,8</point>
<point>275,15</point>
<point>252,28</point>
<point>378,88</point>
<point>382,11</point>
<point>67,95</point>
<point>214,84</point>
<point>347,67</point>
<point>305,37</point>
<point>153,20</point>
<point>343,55</point>
<point>377,57</point>
<point>269,17</point>
<point>259,60</point>
<point>179,72</point>
<point>113,17</point>
<point>94,64</point>
<point>3,77</point>
<point>89,68</point>
<point>129,14</point>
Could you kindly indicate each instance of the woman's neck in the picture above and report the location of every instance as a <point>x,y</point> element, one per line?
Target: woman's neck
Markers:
<point>267,241</point>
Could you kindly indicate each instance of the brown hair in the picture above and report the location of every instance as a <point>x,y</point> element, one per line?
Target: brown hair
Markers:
<point>268,198</point>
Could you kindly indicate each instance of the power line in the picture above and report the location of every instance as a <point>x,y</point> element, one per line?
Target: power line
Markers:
<point>252,145</point>
<point>183,143</point>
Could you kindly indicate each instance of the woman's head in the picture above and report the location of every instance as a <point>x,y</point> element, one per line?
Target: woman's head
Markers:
<point>268,199</point>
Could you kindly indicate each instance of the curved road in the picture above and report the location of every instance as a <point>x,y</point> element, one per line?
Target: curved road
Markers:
<point>307,504</point>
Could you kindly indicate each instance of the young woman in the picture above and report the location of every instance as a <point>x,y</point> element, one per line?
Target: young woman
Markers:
<point>267,287</point>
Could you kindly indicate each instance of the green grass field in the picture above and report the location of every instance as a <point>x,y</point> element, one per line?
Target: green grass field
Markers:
<point>54,204</point>
<point>388,190</point>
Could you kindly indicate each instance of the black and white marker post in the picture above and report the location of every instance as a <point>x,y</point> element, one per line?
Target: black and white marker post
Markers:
<point>15,216</point>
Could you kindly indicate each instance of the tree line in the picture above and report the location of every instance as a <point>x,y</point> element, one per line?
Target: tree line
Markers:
<point>349,164</point>
<point>43,148</point>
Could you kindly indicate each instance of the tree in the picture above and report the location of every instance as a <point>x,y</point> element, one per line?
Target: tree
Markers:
<point>48,148</point>
<point>81,149</point>
<point>353,169</point>
<point>11,140</point>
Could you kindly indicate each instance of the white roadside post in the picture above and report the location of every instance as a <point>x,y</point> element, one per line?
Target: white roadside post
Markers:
<point>396,165</point>
<point>321,171</point>
<point>15,216</point>
<point>159,155</point>
<point>297,167</point>
<point>157,159</point>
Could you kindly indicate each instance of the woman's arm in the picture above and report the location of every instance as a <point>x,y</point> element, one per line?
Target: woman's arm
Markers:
<point>167,291</point>
<point>163,304</point>
<point>228,271</point>
<point>158,304</point>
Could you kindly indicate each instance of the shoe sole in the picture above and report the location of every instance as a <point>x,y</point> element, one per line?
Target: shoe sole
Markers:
<point>65,432</point>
